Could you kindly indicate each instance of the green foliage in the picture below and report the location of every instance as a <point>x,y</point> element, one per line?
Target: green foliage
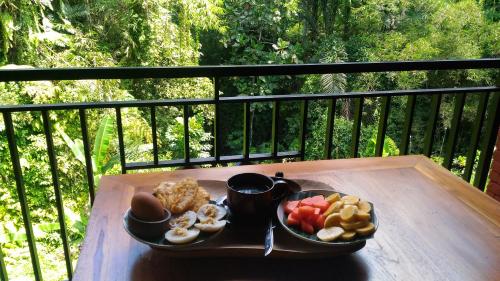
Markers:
<point>101,143</point>
<point>390,148</point>
<point>199,140</point>
<point>190,32</point>
<point>102,161</point>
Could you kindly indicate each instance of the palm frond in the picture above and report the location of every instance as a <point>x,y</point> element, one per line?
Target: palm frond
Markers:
<point>102,141</point>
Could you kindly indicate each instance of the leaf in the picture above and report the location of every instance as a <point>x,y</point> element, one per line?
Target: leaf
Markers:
<point>6,32</point>
<point>47,3</point>
<point>102,140</point>
<point>333,83</point>
<point>76,146</point>
<point>79,228</point>
<point>114,160</point>
<point>49,227</point>
<point>71,216</point>
<point>24,163</point>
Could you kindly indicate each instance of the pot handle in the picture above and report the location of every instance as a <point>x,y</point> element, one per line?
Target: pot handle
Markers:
<point>281,187</point>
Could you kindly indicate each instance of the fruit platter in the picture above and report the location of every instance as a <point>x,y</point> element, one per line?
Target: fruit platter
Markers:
<point>327,217</point>
<point>192,217</point>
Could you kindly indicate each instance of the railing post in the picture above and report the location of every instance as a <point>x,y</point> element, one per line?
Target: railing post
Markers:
<point>330,122</point>
<point>303,129</point>
<point>431,125</point>
<point>455,123</point>
<point>476,132</point>
<point>356,126</point>
<point>21,193</point>
<point>217,128</point>
<point>405,139</point>
<point>246,131</point>
<point>57,191</point>
<point>88,159</point>
<point>382,125</point>
<point>274,136</point>
<point>491,128</point>
<point>3,270</point>
<point>185,118</point>
<point>121,146</point>
<point>154,134</point>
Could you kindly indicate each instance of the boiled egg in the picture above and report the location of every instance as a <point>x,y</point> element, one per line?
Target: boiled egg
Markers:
<point>185,220</point>
<point>210,225</point>
<point>147,207</point>
<point>181,235</point>
<point>211,211</point>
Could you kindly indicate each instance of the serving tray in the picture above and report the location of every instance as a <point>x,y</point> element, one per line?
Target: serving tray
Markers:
<point>240,240</point>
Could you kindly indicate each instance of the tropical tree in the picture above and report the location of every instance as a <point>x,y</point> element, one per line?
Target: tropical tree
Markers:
<point>102,161</point>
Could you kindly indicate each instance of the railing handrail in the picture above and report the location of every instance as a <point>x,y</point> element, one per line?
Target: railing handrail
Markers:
<point>487,116</point>
<point>239,99</point>
<point>214,71</point>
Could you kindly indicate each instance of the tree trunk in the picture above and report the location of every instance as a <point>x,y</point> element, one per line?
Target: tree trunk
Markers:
<point>347,18</point>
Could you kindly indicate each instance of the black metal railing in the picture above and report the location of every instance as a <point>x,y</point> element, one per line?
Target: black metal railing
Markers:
<point>489,120</point>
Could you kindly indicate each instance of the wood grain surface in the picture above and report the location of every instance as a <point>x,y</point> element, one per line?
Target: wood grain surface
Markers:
<point>432,226</point>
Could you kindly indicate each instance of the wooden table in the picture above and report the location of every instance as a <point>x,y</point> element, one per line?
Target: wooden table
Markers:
<point>433,226</point>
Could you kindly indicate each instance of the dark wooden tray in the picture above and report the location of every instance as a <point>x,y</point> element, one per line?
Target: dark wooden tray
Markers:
<point>237,240</point>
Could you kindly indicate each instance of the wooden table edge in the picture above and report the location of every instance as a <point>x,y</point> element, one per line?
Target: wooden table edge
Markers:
<point>351,164</point>
<point>460,189</point>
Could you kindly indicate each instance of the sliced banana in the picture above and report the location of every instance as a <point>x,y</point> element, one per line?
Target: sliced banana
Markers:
<point>353,225</point>
<point>210,225</point>
<point>332,220</point>
<point>363,216</point>
<point>367,230</point>
<point>350,200</point>
<point>211,211</point>
<point>185,220</point>
<point>348,214</point>
<point>364,206</point>
<point>181,235</point>
<point>333,198</point>
<point>352,206</point>
<point>330,233</point>
<point>348,235</point>
<point>335,207</point>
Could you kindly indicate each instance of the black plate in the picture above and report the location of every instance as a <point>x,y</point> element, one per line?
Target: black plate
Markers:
<point>313,238</point>
<point>162,243</point>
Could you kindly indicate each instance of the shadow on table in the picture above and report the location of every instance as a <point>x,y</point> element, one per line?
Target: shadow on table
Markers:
<point>156,266</point>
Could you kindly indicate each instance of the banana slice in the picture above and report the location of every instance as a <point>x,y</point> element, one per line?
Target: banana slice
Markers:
<point>348,214</point>
<point>367,230</point>
<point>353,225</point>
<point>330,233</point>
<point>353,206</point>
<point>350,200</point>
<point>364,206</point>
<point>348,235</point>
<point>332,209</point>
<point>335,207</point>
<point>332,220</point>
<point>333,198</point>
<point>363,216</point>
